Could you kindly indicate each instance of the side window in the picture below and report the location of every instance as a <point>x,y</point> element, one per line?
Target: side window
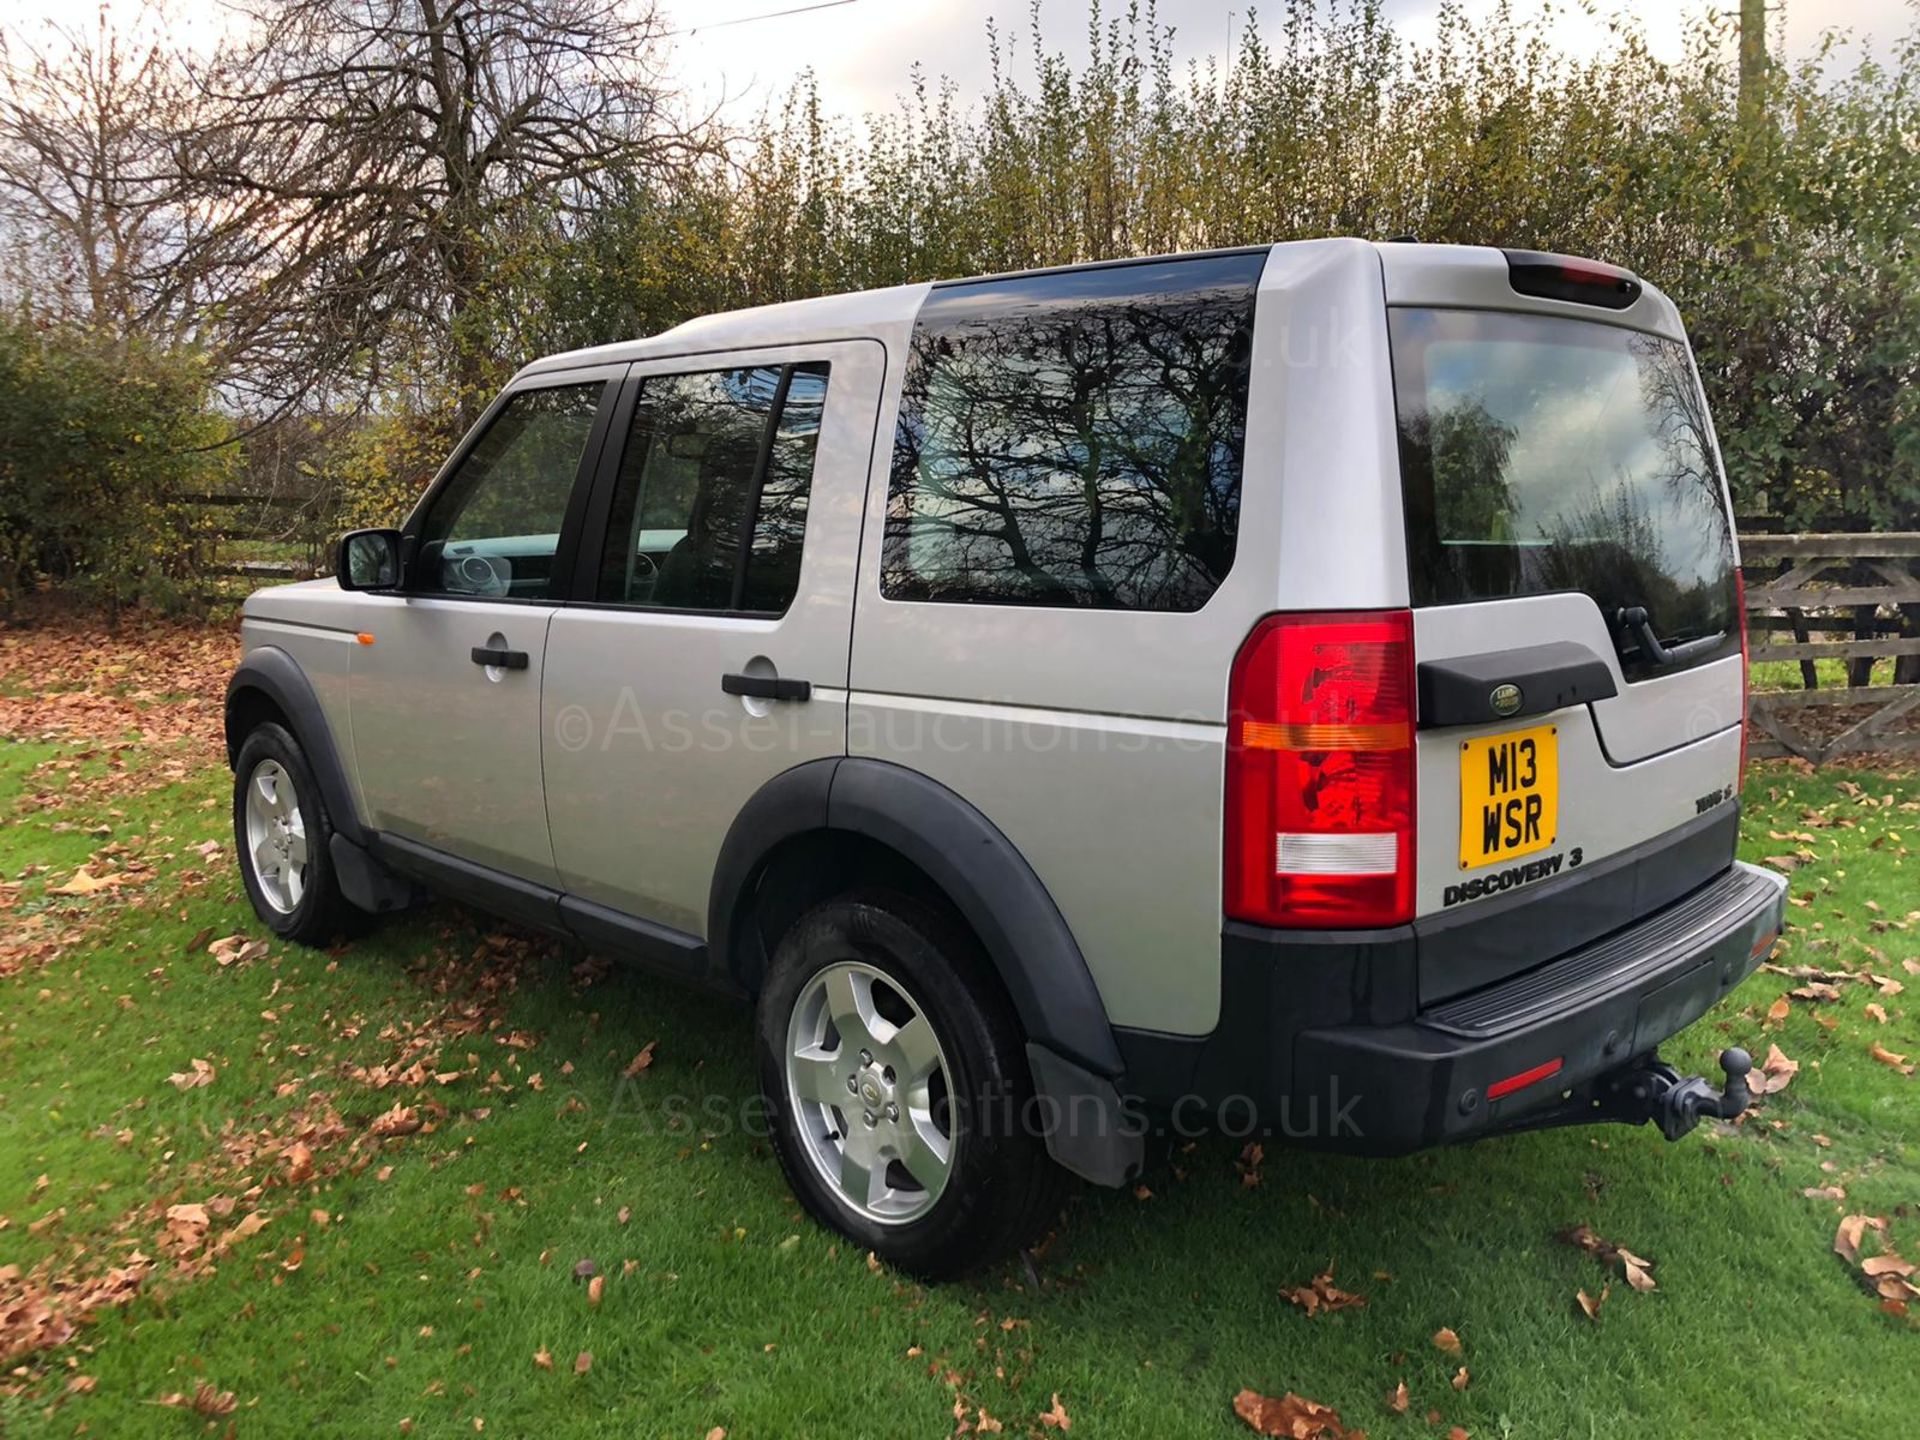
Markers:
<point>495,527</point>
<point>711,506</point>
<point>1074,439</point>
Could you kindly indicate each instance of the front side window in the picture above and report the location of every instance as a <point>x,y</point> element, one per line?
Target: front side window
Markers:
<point>711,506</point>
<point>493,529</point>
<point>1542,454</point>
<point>1074,438</point>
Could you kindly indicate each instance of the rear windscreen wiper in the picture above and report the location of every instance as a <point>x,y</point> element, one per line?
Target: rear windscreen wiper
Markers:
<point>1636,622</point>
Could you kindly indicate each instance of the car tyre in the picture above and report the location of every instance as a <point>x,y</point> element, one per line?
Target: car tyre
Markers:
<point>896,1082</point>
<point>281,832</point>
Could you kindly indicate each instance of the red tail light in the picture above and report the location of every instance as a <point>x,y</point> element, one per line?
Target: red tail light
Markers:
<point>1320,804</point>
<point>1740,604</point>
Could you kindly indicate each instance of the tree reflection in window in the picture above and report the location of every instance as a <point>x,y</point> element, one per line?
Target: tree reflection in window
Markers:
<point>710,511</point>
<point>1074,438</point>
<point>1542,454</point>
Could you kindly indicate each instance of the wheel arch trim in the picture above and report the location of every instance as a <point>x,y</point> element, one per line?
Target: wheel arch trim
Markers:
<point>273,674</point>
<point>979,870</point>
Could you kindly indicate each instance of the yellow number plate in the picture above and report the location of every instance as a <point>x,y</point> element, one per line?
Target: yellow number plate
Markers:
<point>1509,795</point>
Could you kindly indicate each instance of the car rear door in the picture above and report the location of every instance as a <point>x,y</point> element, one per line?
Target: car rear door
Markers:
<point>707,651</point>
<point>1576,624</point>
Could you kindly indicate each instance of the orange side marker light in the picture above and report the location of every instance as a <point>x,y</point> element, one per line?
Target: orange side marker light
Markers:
<point>364,638</point>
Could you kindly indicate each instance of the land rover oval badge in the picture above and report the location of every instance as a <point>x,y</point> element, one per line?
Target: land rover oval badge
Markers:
<point>1505,700</point>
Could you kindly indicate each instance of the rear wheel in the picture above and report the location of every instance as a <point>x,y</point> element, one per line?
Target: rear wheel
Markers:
<point>281,830</point>
<point>896,1080</point>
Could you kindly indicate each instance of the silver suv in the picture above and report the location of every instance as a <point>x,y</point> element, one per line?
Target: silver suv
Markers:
<point>1297,688</point>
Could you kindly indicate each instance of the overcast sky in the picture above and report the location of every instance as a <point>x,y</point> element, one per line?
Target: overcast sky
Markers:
<point>862,49</point>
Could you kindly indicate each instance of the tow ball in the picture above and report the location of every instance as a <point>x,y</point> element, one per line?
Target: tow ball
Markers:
<point>1654,1090</point>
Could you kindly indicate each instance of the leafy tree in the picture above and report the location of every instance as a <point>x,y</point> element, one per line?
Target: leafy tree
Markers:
<point>101,444</point>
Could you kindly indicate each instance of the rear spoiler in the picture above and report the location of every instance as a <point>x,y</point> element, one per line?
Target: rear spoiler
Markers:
<point>1566,277</point>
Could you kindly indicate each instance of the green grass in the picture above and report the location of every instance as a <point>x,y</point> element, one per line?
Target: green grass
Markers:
<point>427,1293</point>
<point>1832,674</point>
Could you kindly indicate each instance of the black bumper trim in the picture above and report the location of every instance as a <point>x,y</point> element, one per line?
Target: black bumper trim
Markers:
<point>1607,965</point>
<point>1417,1085</point>
<point>1321,1035</point>
<point>1474,945</point>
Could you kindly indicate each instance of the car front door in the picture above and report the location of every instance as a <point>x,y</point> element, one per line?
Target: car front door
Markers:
<point>445,687</point>
<point>709,651</point>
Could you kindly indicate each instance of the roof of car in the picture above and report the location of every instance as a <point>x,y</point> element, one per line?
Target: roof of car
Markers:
<point>825,317</point>
<point>1414,274</point>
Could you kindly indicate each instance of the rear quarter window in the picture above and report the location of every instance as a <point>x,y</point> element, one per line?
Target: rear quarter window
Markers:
<point>1074,438</point>
<point>1541,454</point>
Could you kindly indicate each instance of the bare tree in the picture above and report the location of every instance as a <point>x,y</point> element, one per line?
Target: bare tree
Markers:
<point>377,144</point>
<point>95,225</point>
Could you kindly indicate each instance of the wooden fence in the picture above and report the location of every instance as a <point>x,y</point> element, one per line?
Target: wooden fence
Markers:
<point>1847,597</point>
<point>293,531</point>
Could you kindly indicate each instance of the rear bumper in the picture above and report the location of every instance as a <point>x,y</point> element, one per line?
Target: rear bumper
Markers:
<point>1356,1076</point>
<point>1441,1077</point>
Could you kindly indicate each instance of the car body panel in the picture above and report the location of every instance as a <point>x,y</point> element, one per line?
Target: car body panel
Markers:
<point>647,761</point>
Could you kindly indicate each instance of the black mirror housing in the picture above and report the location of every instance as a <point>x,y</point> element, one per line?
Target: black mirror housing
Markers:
<point>369,560</point>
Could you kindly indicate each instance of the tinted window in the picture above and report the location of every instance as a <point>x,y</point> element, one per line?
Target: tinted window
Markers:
<point>773,567</point>
<point>1540,454</point>
<point>495,526</point>
<point>711,506</point>
<point>1074,439</point>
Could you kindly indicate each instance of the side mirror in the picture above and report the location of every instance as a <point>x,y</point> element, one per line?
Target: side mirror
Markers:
<point>369,560</point>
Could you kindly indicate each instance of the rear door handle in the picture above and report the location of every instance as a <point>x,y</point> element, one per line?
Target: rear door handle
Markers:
<point>501,659</point>
<point>767,687</point>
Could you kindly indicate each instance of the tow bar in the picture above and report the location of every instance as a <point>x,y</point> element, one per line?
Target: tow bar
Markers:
<point>1651,1089</point>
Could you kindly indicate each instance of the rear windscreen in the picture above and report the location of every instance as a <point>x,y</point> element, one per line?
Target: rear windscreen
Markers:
<point>1541,455</point>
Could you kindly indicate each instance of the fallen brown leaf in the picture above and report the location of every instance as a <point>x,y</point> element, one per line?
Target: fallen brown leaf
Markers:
<point>85,882</point>
<point>1292,1416</point>
<point>1639,1271</point>
<point>205,1400</point>
<point>583,1362</point>
<point>1056,1418</point>
<point>1889,1059</point>
<point>1398,1399</point>
<point>1846,1240</point>
<point>1878,1265</point>
<point>1775,1073</point>
<point>639,1062</point>
<point>400,1120</point>
<point>199,1073</point>
<point>299,1162</point>
<point>1446,1341</point>
<point>1320,1294</point>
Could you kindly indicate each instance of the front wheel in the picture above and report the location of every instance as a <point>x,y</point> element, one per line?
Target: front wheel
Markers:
<point>281,830</point>
<point>896,1080</point>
